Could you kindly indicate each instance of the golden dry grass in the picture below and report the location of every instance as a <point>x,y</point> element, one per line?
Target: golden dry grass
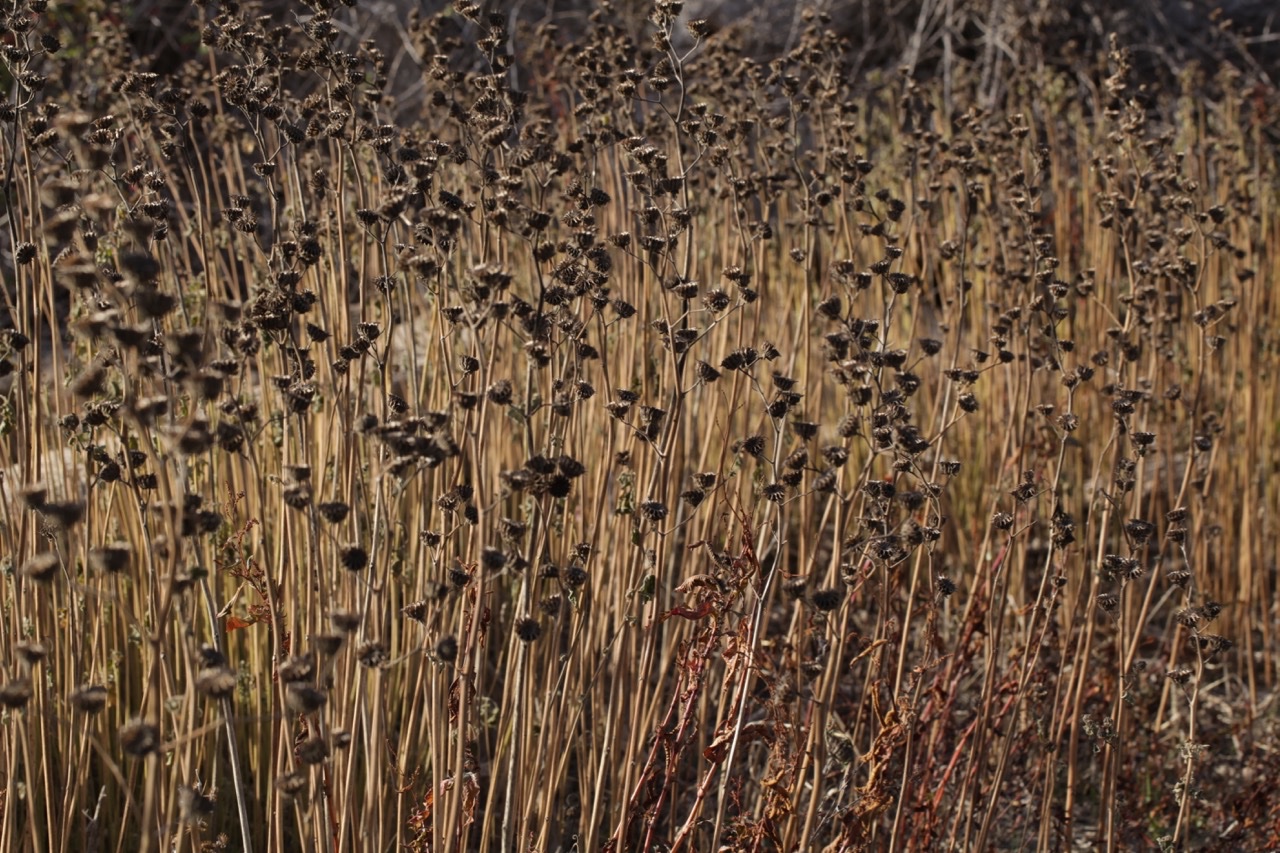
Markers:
<point>637,447</point>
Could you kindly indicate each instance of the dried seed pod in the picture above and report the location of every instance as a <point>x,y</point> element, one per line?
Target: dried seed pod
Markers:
<point>500,392</point>
<point>528,629</point>
<point>354,558</point>
<point>827,600</point>
<point>372,654</point>
<point>304,698</point>
<point>334,512</point>
<point>299,668</point>
<point>139,738</point>
<point>63,515</point>
<point>297,474</point>
<point>313,751</point>
<point>31,652</point>
<point>218,682</point>
<point>328,644</point>
<point>804,430</point>
<point>89,698</point>
<point>841,748</point>
<point>297,496</point>
<point>291,785</point>
<point>447,648</point>
<point>42,567</point>
<point>16,693</point>
<point>34,495</point>
<point>654,511</point>
<point>111,559</point>
<point>194,805</point>
<point>345,621</point>
<point>417,611</point>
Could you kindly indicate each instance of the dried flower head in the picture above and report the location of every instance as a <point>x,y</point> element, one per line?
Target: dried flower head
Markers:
<point>794,588</point>
<point>827,599</point>
<point>193,805</point>
<point>346,621</point>
<point>88,698</point>
<point>218,682</point>
<point>313,750</point>
<point>16,693</point>
<point>447,648</point>
<point>42,567</point>
<point>575,576</point>
<point>111,559</point>
<point>334,512</point>
<point>328,644</point>
<point>139,738</point>
<point>654,511</point>
<point>31,652</point>
<point>304,698</point>
<point>354,558</point>
<point>298,668</point>
<point>372,654</point>
<point>291,785</point>
<point>528,629</point>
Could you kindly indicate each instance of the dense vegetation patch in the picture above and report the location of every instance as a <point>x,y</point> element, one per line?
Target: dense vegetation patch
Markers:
<point>613,431</point>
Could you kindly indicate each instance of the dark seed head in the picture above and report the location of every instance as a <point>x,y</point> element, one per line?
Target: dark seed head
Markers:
<point>139,738</point>
<point>291,785</point>
<point>304,698</point>
<point>16,693</point>
<point>345,621</point>
<point>31,652</point>
<point>313,751</point>
<point>63,515</point>
<point>194,805</point>
<point>89,698</point>
<point>528,629</point>
<point>372,654</point>
<point>216,681</point>
<point>334,512</point>
<point>42,567</point>
<point>447,648</point>
<point>827,600</point>
<point>354,558</point>
<point>328,644</point>
<point>653,510</point>
<point>110,559</point>
<point>299,668</point>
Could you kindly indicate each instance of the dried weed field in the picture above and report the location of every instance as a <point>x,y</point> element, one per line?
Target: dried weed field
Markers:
<point>589,432</point>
